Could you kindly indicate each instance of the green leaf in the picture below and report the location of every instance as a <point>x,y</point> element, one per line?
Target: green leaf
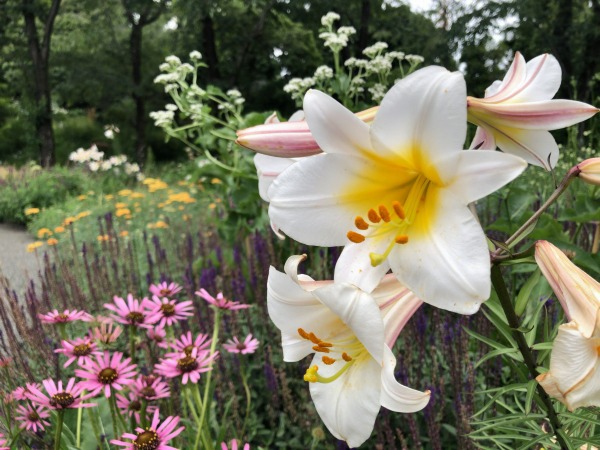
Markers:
<point>531,388</point>
<point>525,292</point>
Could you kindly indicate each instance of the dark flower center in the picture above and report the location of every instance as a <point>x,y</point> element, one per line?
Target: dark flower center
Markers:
<point>146,440</point>
<point>188,350</point>
<point>165,292</point>
<point>241,346</point>
<point>62,400</point>
<point>62,317</point>
<point>135,405</point>
<point>135,317</point>
<point>33,416</point>
<point>82,349</point>
<point>167,309</point>
<point>148,392</point>
<point>107,376</point>
<point>187,364</point>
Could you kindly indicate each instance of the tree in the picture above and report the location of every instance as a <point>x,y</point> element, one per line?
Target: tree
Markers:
<point>39,51</point>
<point>140,13</point>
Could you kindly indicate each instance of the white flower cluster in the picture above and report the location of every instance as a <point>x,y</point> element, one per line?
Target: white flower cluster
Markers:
<point>163,119</point>
<point>110,131</point>
<point>94,160</point>
<point>85,155</point>
<point>323,73</point>
<point>328,19</point>
<point>337,40</point>
<point>296,87</point>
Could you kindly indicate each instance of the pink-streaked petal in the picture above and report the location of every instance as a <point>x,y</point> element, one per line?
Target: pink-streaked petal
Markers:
<point>514,78</point>
<point>537,147</point>
<point>540,115</point>
<point>483,139</point>
<point>419,125</point>
<point>284,140</point>
<point>334,127</point>
<point>268,168</point>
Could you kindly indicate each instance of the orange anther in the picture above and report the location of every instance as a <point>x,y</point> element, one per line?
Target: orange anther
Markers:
<point>318,348</point>
<point>327,360</point>
<point>303,334</point>
<point>401,239</point>
<point>384,213</point>
<point>373,216</point>
<point>360,223</point>
<point>325,344</point>
<point>398,210</point>
<point>314,339</point>
<point>346,357</point>
<point>355,237</point>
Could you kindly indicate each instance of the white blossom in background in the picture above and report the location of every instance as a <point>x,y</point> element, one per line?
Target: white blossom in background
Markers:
<point>323,73</point>
<point>375,49</point>
<point>328,19</point>
<point>195,55</point>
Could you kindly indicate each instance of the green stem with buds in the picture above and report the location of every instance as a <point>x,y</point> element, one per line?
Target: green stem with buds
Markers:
<point>513,322</point>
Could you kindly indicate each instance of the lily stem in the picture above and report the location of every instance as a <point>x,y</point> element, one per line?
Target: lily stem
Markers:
<point>513,322</point>
<point>557,193</point>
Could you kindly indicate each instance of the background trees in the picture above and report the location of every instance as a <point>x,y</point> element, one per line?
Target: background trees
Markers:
<point>99,70</point>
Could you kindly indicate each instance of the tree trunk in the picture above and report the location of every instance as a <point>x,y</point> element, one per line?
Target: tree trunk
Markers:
<point>363,32</point>
<point>40,55</point>
<point>209,46</point>
<point>137,94</point>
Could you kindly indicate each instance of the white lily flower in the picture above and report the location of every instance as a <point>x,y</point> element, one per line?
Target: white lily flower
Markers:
<point>574,375</point>
<point>517,112</point>
<point>404,183</point>
<point>349,332</point>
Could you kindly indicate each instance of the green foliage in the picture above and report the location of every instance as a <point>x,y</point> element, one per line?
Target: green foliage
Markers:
<point>75,131</point>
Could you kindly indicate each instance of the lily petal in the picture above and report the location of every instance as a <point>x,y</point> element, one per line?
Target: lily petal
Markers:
<point>574,376</point>
<point>534,146</point>
<point>349,409</point>
<point>453,252</point>
<point>334,127</point>
<point>395,396</point>
<point>433,119</point>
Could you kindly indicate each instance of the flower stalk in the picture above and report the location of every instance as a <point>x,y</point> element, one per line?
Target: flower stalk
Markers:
<point>513,322</point>
<point>59,426</point>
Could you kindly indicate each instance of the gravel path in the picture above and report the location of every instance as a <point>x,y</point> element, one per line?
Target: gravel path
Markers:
<point>16,264</point>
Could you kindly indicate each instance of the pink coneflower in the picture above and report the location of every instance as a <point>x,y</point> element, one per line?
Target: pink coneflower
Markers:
<point>189,367</point>
<point>221,302</point>
<point>132,405</point>
<point>3,443</point>
<point>65,316</point>
<point>134,312</point>
<point>170,311</point>
<point>158,335</point>
<point>150,387</point>
<point>107,373</point>
<point>107,332</point>
<point>233,445</point>
<point>165,290</point>
<point>21,392</point>
<point>60,398</point>
<point>32,417</point>
<point>154,437</point>
<point>79,349</point>
<point>235,346</point>
<point>185,344</point>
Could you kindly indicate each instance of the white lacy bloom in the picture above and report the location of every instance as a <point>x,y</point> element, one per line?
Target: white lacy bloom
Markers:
<point>162,118</point>
<point>349,332</point>
<point>80,155</point>
<point>234,93</point>
<point>404,184</point>
<point>414,59</point>
<point>328,19</point>
<point>195,55</point>
<point>173,60</point>
<point>94,154</point>
<point>131,168</point>
<point>323,73</point>
<point>380,64</point>
<point>396,55</point>
<point>375,49</point>
<point>377,92</point>
<point>165,78</point>
<point>346,31</point>
<point>574,375</point>
<point>93,166</point>
<point>105,165</point>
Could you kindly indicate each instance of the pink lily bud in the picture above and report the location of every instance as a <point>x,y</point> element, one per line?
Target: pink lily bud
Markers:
<point>590,171</point>
<point>287,139</point>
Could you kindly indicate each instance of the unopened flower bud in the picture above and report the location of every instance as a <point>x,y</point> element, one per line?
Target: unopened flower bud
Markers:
<point>590,171</point>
